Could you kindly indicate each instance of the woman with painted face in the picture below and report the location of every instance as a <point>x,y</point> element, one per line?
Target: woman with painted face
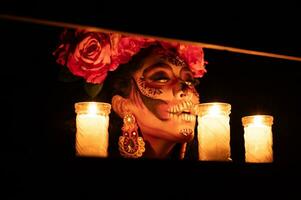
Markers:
<point>150,85</point>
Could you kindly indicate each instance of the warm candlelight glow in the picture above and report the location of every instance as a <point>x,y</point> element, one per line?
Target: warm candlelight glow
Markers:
<point>92,108</point>
<point>214,131</point>
<point>214,109</point>
<point>258,120</point>
<point>258,138</point>
<point>92,123</point>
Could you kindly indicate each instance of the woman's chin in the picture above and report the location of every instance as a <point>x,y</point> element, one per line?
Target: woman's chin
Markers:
<point>185,135</point>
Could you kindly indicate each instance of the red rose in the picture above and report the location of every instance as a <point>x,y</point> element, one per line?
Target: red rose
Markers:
<point>92,54</point>
<point>91,57</point>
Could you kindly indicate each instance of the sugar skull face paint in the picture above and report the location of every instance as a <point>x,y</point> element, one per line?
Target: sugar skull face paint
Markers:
<point>164,95</point>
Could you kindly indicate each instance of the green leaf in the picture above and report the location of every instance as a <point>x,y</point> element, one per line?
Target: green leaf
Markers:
<point>66,76</point>
<point>93,89</point>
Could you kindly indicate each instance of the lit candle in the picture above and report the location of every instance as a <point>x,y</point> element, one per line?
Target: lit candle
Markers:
<point>214,131</point>
<point>258,138</point>
<point>92,122</point>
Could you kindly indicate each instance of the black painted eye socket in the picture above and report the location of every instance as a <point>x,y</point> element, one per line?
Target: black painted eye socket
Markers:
<point>187,77</point>
<point>159,77</point>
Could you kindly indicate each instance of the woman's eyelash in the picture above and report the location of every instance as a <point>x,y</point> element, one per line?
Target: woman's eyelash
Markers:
<point>157,77</point>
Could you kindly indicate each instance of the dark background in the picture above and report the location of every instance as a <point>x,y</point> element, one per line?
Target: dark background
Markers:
<point>38,108</point>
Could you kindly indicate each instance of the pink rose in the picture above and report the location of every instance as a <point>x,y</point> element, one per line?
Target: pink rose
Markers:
<point>90,57</point>
<point>194,57</point>
<point>125,47</point>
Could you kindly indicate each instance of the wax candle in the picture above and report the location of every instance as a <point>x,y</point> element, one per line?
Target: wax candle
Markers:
<point>258,138</point>
<point>214,131</point>
<point>92,123</point>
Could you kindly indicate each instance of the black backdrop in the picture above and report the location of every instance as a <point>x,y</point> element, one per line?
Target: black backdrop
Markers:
<point>37,108</point>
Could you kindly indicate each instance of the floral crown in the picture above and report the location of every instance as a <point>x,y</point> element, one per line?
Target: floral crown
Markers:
<point>92,54</point>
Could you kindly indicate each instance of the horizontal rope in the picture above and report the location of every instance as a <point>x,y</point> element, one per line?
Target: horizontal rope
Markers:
<point>96,29</point>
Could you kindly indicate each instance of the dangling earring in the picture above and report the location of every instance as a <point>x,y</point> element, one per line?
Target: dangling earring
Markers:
<point>130,145</point>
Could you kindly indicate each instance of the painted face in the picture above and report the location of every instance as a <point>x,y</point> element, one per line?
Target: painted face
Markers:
<point>163,96</point>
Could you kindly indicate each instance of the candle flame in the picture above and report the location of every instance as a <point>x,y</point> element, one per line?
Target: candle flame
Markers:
<point>92,108</point>
<point>214,110</point>
<point>258,120</point>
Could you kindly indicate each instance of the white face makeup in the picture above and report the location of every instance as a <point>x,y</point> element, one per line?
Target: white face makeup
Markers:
<point>163,97</point>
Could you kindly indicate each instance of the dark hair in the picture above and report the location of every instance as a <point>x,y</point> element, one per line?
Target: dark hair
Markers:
<point>119,82</point>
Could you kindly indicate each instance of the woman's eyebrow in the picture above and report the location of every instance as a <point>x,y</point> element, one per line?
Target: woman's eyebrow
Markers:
<point>174,60</point>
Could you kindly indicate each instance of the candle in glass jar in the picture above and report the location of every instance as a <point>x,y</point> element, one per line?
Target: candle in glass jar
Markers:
<point>92,122</point>
<point>214,131</point>
<point>258,138</point>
